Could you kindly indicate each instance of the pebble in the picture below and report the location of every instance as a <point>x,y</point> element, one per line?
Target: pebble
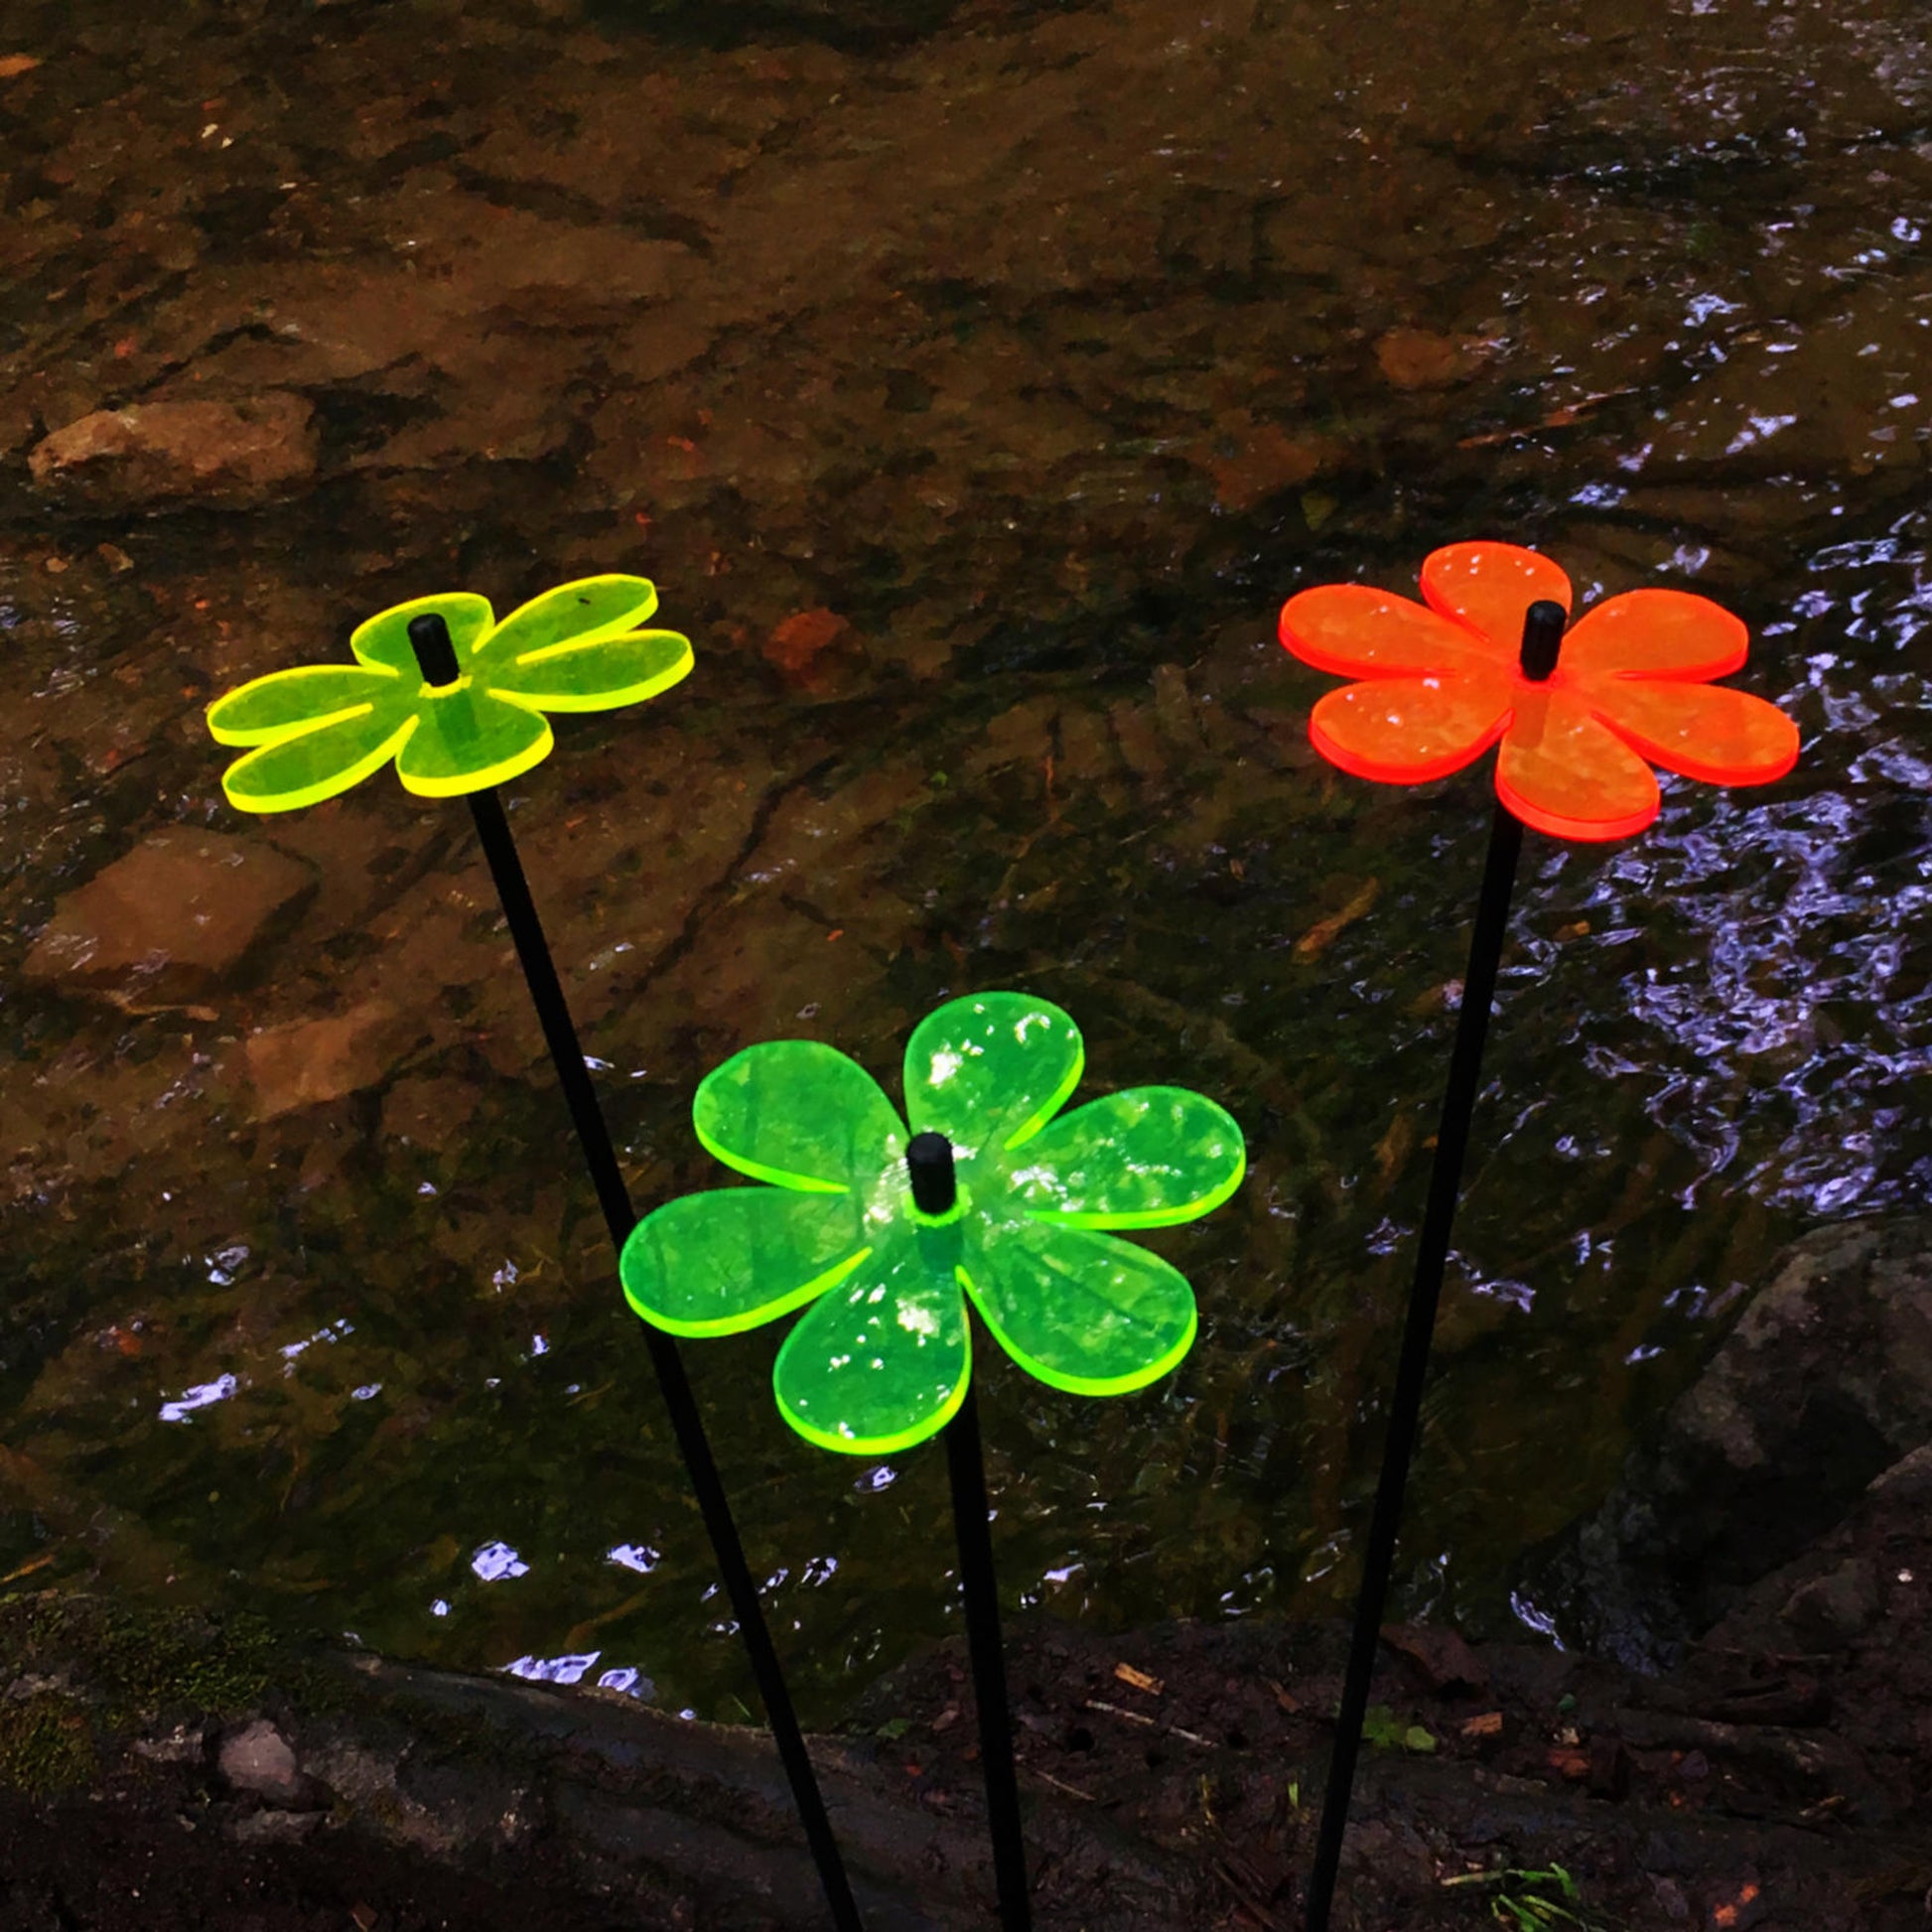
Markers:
<point>258,1758</point>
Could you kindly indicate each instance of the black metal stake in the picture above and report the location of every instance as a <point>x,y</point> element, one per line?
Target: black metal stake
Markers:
<point>435,653</point>
<point>929,1163</point>
<point>1543,626</point>
<point>966,1466</point>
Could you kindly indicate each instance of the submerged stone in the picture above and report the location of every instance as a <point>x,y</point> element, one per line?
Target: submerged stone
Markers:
<point>153,452</point>
<point>170,922</point>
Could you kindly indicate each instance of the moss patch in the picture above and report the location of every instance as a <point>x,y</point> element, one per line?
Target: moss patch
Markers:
<point>140,1661</point>
<point>47,1744</point>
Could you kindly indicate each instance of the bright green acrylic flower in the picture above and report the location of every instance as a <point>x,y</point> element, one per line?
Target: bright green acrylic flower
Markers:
<point>882,1358</point>
<point>320,728</point>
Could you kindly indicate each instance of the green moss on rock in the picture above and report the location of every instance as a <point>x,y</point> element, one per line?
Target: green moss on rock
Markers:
<point>47,1744</point>
<point>139,1661</point>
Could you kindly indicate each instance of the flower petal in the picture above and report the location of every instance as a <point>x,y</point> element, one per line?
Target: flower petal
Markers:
<point>1654,633</point>
<point>286,702</point>
<point>1358,632</point>
<point>1083,1311</point>
<point>800,1114</point>
<point>1563,771</point>
<point>302,771</point>
<point>1489,587</point>
<point>468,740</point>
<point>594,673</point>
<point>1406,730</point>
<point>991,1070</point>
<point>1727,738</point>
<point>881,1361</point>
<point>715,1263</point>
<point>582,612</point>
<point>383,640</point>
<point>1145,1157</point>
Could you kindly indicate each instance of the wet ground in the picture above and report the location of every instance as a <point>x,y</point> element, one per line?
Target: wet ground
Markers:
<point>975,383</point>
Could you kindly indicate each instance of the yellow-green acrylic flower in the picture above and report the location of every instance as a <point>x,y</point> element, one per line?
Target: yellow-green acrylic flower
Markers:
<point>319,729</point>
<point>882,1358</point>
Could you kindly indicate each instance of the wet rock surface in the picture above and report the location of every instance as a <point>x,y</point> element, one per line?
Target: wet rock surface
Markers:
<point>1824,1385</point>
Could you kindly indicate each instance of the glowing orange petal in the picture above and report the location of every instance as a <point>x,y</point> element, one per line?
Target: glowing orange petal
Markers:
<point>1654,633</point>
<point>1489,587</point>
<point>1364,632</point>
<point>1727,738</point>
<point>1405,730</point>
<point>1565,773</point>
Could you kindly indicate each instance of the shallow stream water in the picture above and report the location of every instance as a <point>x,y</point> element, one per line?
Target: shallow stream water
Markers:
<point>975,382</point>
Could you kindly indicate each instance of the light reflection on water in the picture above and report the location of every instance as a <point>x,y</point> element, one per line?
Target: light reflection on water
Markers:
<point>1791,1015</point>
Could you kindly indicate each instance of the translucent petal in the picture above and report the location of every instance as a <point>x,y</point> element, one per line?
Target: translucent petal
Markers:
<point>1566,774</point>
<point>991,1070</point>
<point>1727,738</point>
<point>1655,634</point>
<point>301,770</point>
<point>1362,632</point>
<point>383,640</point>
<point>800,1114</point>
<point>714,1262</point>
<point>1146,1157</point>
<point>1489,587</point>
<point>881,1361</point>
<point>468,740</point>
<point>579,612</point>
<point>1405,730</point>
<point>1081,1311</point>
<point>595,673</point>
<point>285,702</point>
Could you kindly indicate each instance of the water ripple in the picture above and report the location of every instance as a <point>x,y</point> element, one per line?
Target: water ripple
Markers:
<point>1787,1011</point>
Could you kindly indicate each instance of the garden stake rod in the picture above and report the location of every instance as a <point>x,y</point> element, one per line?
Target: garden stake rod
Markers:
<point>1543,628</point>
<point>435,653</point>
<point>929,1163</point>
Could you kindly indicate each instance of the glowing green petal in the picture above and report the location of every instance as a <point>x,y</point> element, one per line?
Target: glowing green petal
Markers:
<point>990,1071</point>
<point>383,640</point>
<point>881,1361</point>
<point>1148,1158</point>
<point>800,1114</point>
<point>1081,1311</point>
<point>468,740</point>
<point>285,702</point>
<point>714,1262</point>
<point>316,765</point>
<point>582,612</point>
<point>595,673</point>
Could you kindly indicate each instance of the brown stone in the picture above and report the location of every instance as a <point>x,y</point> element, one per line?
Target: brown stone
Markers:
<point>1249,462</point>
<point>797,644</point>
<point>1443,1656</point>
<point>309,1062</point>
<point>153,452</point>
<point>1417,359</point>
<point>170,922</point>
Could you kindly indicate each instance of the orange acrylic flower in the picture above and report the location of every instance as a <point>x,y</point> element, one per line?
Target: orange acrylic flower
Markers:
<point>1445,682</point>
